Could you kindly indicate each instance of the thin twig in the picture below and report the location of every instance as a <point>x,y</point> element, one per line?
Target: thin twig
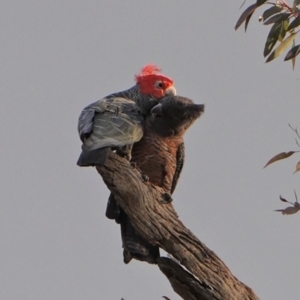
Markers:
<point>297,133</point>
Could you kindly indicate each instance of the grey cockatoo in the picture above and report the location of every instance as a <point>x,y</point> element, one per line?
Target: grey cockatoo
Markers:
<point>115,122</point>
<point>160,156</point>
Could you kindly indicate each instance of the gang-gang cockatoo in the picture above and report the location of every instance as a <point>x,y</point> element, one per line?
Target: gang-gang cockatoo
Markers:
<point>115,122</point>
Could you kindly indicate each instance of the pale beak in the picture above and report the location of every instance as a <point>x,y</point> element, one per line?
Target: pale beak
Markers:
<point>170,91</point>
<point>200,107</point>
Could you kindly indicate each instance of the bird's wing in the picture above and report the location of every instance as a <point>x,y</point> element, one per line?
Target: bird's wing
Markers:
<point>110,122</point>
<point>180,155</point>
<point>86,118</point>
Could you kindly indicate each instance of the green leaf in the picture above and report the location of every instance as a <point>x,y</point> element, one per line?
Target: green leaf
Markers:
<point>277,18</point>
<point>294,58</point>
<point>271,11</point>
<point>247,21</point>
<point>272,38</point>
<point>249,11</point>
<point>282,47</point>
<point>260,2</point>
<point>295,23</point>
<point>284,27</point>
<point>292,53</point>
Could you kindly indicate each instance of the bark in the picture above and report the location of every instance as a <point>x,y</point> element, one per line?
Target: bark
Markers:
<point>206,277</point>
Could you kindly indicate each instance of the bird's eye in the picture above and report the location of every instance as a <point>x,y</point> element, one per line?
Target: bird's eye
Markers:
<point>159,84</point>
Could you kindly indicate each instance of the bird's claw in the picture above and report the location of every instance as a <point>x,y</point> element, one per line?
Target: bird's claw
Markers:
<point>133,164</point>
<point>145,178</point>
<point>166,198</point>
<point>125,152</point>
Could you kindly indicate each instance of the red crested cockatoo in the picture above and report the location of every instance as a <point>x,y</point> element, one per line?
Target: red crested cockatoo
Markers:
<point>115,122</point>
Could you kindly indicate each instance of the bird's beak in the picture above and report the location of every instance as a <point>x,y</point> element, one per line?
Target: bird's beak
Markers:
<point>156,110</point>
<point>170,91</point>
<point>200,107</point>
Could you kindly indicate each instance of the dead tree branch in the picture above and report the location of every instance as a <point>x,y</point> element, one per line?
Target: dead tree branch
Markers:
<point>210,278</point>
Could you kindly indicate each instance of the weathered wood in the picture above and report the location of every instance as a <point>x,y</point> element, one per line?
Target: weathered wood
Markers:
<point>159,224</point>
<point>184,283</point>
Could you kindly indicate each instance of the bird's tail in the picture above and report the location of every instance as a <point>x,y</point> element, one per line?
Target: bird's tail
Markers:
<point>134,245</point>
<point>93,158</point>
<point>112,209</point>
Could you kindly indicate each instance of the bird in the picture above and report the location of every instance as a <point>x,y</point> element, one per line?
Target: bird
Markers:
<point>159,155</point>
<point>115,121</point>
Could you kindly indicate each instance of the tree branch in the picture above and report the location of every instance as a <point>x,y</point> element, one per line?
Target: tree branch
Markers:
<point>159,224</point>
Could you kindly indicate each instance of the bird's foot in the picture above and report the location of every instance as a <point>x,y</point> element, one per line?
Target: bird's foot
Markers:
<point>166,198</point>
<point>145,178</point>
<point>133,164</point>
<point>125,152</point>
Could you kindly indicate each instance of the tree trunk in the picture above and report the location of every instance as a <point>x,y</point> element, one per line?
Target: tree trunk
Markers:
<point>206,277</point>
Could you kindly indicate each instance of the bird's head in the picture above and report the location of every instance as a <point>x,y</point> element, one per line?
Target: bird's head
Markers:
<point>176,114</point>
<point>151,83</point>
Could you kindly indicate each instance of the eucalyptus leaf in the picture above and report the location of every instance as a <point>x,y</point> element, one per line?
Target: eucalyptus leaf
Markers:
<point>249,11</point>
<point>292,53</point>
<point>289,210</point>
<point>282,47</point>
<point>295,23</point>
<point>283,200</point>
<point>271,11</point>
<point>283,30</point>
<point>247,21</point>
<point>280,156</point>
<point>297,167</point>
<point>272,38</point>
<point>260,2</point>
<point>277,18</point>
<point>293,61</point>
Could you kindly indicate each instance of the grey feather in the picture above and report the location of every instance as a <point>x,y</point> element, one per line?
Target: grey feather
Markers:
<point>110,122</point>
<point>95,157</point>
<point>112,209</point>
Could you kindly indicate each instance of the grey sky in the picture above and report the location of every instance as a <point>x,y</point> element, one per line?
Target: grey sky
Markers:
<point>59,56</point>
